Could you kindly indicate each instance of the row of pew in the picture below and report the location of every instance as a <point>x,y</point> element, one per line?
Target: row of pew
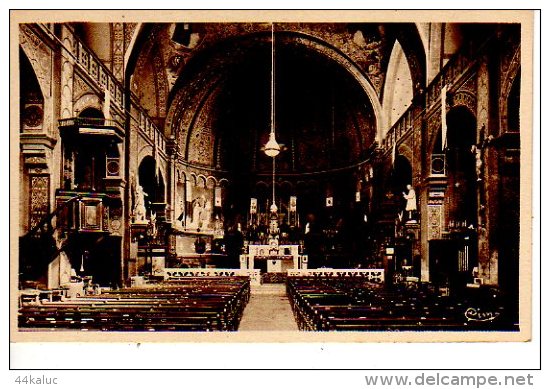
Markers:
<point>347,304</point>
<point>186,304</point>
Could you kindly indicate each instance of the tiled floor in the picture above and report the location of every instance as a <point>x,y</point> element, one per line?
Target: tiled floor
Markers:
<point>268,310</point>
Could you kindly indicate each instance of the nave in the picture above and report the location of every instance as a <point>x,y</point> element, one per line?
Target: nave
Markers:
<point>256,176</point>
<point>309,303</point>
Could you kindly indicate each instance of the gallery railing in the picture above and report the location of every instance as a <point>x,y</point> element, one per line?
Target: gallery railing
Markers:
<point>461,62</point>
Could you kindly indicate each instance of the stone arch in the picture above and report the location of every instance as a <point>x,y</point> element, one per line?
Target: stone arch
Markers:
<point>201,181</point>
<point>39,57</point>
<point>91,112</point>
<point>466,99</point>
<point>161,82</point>
<point>31,99</point>
<point>193,179</point>
<point>458,113</point>
<point>130,56</point>
<point>262,191</point>
<point>423,33</point>
<point>511,72</point>
<point>410,39</point>
<point>144,151</point>
<point>182,110</point>
<point>262,184</point>
<point>404,150</point>
<point>285,189</point>
<point>87,100</point>
<point>211,182</point>
<point>402,174</point>
<point>398,85</point>
<point>512,75</point>
<point>512,106</point>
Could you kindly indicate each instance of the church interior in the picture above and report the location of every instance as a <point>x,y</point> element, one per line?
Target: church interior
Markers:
<point>215,176</point>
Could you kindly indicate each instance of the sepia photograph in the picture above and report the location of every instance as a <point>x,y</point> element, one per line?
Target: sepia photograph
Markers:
<point>247,176</point>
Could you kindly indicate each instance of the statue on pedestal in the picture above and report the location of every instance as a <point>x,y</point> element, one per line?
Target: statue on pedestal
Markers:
<point>139,206</point>
<point>410,196</point>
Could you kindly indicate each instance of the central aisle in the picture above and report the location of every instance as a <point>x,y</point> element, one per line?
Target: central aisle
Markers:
<point>268,310</point>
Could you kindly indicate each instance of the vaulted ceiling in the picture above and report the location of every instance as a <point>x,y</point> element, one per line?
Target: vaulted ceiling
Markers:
<point>209,85</point>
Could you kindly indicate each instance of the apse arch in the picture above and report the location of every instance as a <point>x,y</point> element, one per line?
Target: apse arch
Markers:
<point>179,124</point>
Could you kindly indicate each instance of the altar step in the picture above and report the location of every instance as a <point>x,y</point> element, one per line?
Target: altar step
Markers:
<point>268,310</point>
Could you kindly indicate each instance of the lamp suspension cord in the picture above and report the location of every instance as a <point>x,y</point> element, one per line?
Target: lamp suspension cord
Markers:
<point>272,78</point>
<point>273,180</point>
<point>273,101</point>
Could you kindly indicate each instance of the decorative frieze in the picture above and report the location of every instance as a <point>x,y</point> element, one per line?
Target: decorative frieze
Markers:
<point>117,32</point>
<point>161,84</point>
<point>372,275</point>
<point>129,30</point>
<point>175,273</point>
<point>465,99</point>
<point>39,199</point>
<point>434,222</point>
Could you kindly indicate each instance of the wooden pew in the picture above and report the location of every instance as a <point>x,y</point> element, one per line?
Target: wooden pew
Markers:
<point>340,304</point>
<point>194,304</point>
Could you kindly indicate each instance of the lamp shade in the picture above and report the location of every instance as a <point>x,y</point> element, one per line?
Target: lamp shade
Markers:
<point>272,148</point>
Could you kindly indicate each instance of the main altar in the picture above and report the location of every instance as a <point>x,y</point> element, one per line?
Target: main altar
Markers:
<point>273,258</point>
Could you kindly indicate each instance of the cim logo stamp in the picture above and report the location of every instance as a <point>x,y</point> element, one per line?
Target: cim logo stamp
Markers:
<point>476,314</point>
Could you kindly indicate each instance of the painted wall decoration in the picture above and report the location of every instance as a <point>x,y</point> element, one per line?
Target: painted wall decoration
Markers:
<point>200,210</point>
